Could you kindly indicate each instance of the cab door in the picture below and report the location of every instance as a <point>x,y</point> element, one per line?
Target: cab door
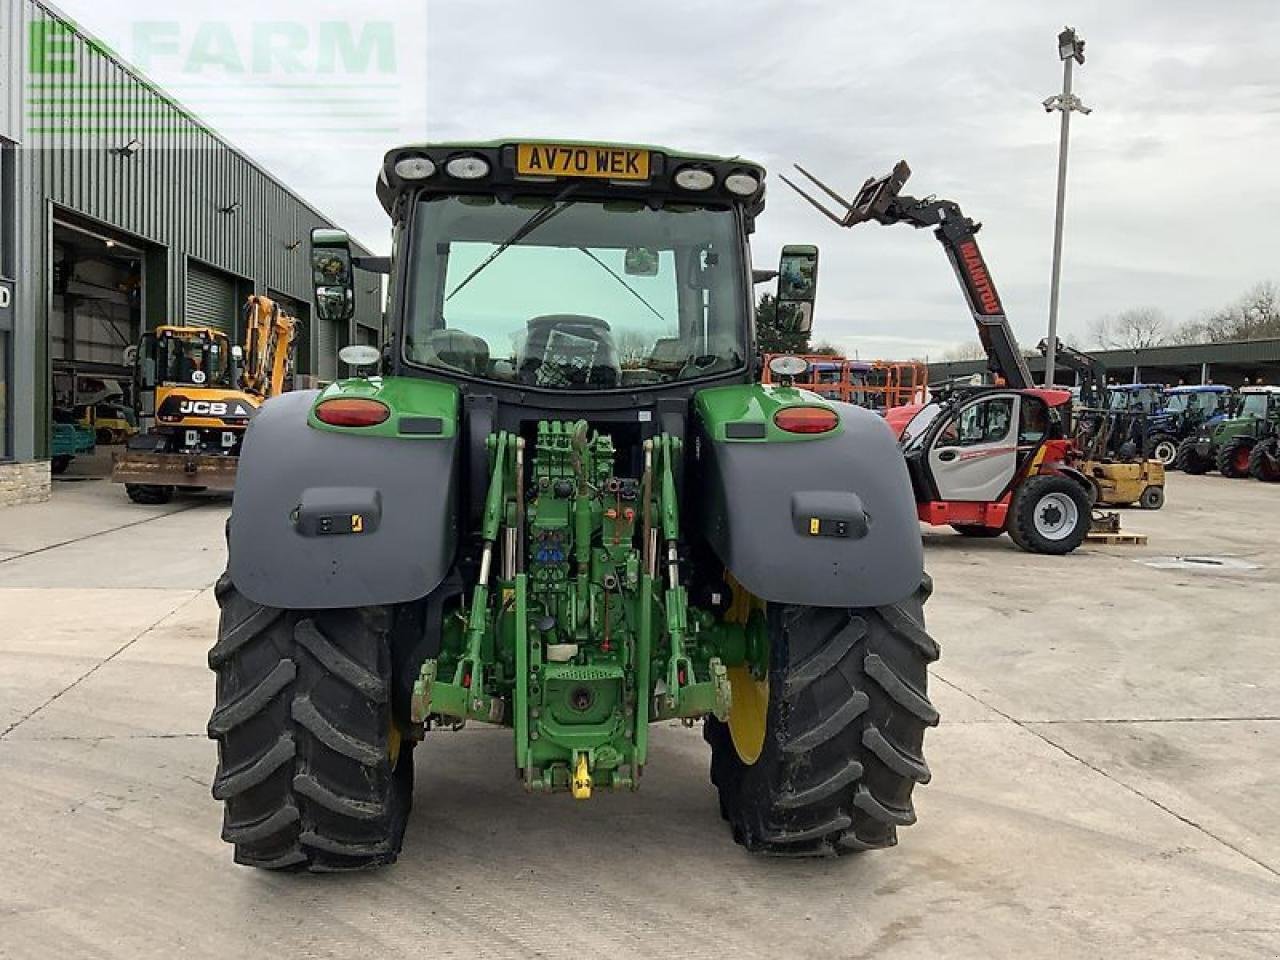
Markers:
<point>974,455</point>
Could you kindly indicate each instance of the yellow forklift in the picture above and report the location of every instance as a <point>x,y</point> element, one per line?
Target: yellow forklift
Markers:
<point>204,391</point>
<point>1110,434</point>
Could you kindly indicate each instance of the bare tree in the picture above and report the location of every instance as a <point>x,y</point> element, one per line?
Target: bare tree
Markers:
<point>969,350</point>
<point>1132,329</point>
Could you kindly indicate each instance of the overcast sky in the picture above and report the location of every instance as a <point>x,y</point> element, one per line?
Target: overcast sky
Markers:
<point>1172,195</point>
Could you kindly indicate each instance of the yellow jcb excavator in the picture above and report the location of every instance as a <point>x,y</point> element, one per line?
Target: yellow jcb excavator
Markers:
<point>203,391</point>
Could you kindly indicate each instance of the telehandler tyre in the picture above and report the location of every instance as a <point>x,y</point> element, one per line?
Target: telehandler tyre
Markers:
<point>148,493</point>
<point>821,756</point>
<point>1050,514</point>
<point>312,771</point>
<point>1233,457</point>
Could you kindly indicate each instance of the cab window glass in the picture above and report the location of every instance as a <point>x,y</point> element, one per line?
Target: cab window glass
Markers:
<point>1033,421</point>
<point>987,421</point>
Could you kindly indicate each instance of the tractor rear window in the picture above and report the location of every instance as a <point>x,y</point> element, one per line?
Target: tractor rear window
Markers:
<point>576,295</point>
<point>1254,405</point>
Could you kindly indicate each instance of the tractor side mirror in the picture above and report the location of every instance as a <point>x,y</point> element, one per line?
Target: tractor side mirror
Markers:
<point>797,287</point>
<point>332,274</point>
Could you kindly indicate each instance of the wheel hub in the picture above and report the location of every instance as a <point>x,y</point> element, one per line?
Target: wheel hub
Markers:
<point>1056,516</point>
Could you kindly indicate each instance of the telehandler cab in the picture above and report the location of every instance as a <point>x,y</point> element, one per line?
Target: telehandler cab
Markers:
<point>559,501</point>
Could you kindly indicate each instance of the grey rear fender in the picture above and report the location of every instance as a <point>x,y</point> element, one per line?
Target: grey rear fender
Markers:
<point>763,499</point>
<point>324,519</point>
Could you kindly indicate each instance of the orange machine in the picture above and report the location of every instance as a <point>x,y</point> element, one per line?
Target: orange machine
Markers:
<point>203,392</point>
<point>877,385</point>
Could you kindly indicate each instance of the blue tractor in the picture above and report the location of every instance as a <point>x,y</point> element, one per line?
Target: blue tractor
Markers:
<point>1185,410</point>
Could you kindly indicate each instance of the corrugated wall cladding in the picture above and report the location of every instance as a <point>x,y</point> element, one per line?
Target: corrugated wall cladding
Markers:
<point>10,78</point>
<point>169,193</point>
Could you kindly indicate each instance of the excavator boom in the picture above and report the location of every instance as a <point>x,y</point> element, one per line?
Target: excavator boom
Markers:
<point>270,335</point>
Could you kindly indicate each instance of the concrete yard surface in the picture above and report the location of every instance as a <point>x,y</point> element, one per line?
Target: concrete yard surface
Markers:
<point>1104,777</point>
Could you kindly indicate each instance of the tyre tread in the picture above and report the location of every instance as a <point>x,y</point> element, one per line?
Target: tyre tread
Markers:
<point>304,772</point>
<point>845,726</point>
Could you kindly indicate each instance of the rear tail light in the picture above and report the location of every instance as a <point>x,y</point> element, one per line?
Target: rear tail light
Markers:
<point>352,412</point>
<point>806,419</point>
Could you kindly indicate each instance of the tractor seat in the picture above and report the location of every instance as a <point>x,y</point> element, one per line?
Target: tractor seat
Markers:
<point>568,350</point>
<point>722,354</point>
<point>458,350</point>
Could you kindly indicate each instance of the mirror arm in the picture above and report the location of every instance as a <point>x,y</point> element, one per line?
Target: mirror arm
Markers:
<point>372,264</point>
<point>763,276</point>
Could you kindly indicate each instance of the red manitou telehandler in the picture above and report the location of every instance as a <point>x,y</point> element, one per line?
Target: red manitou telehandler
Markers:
<point>984,460</point>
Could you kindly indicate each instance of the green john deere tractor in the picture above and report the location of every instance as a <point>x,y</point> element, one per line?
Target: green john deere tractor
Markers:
<point>1228,445</point>
<point>559,500</point>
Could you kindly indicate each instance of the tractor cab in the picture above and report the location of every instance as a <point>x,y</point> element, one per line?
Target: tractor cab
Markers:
<point>1258,403</point>
<point>537,270</point>
<point>1199,402</point>
<point>1186,409</point>
<point>1145,398</point>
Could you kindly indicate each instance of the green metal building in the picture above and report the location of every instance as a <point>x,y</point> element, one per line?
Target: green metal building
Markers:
<point>1234,364</point>
<point>119,211</point>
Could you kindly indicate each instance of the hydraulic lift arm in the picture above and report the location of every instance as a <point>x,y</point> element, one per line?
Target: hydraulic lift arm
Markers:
<point>882,201</point>
<point>1092,371</point>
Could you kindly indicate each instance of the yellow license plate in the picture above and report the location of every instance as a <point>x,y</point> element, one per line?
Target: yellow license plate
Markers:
<point>560,160</point>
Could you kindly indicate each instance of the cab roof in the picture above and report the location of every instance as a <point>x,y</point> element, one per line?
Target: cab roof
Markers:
<point>1261,388</point>
<point>504,177</point>
<point>1200,388</point>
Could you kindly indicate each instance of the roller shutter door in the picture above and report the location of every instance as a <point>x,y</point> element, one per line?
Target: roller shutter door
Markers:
<point>211,299</point>
<point>327,346</point>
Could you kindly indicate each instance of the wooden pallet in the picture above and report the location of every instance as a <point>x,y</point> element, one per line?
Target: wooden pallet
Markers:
<point>1117,539</point>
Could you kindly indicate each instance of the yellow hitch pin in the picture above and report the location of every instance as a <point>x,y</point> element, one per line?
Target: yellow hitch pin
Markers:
<point>582,780</point>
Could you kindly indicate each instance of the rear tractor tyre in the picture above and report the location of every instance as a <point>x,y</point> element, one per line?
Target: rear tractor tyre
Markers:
<point>58,465</point>
<point>312,771</point>
<point>148,493</point>
<point>1164,448</point>
<point>1233,457</point>
<point>1264,461</point>
<point>822,757</point>
<point>976,530</point>
<point>1050,514</point>
<point>1152,498</point>
<point>1190,461</point>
